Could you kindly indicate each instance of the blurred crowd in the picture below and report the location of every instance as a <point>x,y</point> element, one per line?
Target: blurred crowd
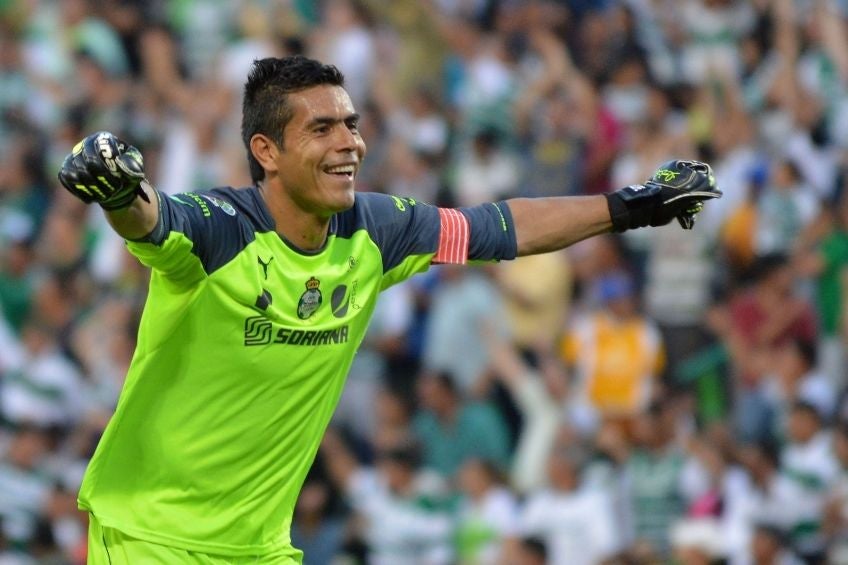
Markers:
<point>659,396</point>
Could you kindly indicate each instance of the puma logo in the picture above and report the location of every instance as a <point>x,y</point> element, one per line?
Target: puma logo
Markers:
<point>264,265</point>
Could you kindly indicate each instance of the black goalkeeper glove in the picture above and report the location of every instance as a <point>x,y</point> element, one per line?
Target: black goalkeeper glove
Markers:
<point>677,189</point>
<point>103,169</point>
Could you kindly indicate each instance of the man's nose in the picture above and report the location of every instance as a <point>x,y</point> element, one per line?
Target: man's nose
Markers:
<point>343,136</point>
<point>349,141</point>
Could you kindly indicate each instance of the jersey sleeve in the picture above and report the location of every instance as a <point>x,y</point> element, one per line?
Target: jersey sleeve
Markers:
<point>196,233</point>
<point>412,235</point>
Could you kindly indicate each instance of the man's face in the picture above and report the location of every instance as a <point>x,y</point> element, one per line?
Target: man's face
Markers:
<point>322,150</point>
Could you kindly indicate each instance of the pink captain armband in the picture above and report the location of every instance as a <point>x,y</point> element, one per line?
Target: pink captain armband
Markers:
<point>454,238</point>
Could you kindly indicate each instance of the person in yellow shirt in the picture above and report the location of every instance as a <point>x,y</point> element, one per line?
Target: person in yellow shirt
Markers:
<point>615,354</point>
<point>537,294</point>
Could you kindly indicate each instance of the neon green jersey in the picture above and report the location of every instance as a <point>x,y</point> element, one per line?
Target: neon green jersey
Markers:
<point>242,353</point>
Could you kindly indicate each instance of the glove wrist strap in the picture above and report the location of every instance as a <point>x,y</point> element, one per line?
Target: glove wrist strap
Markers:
<point>618,212</point>
<point>633,206</point>
<point>119,201</point>
<point>124,198</point>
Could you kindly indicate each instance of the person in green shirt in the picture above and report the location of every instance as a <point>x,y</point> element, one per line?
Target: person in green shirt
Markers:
<point>452,431</point>
<point>823,256</point>
<point>258,300</point>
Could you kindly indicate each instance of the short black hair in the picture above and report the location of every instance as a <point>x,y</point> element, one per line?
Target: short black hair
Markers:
<point>768,450</point>
<point>407,454</point>
<point>265,107</point>
<point>808,350</point>
<point>447,381</point>
<point>777,534</point>
<point>536,547</point>
<point>805,407</point>
<point>766,265</point>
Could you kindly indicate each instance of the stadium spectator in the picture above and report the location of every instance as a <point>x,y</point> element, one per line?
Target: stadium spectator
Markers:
<point>463,299</point>
<point>530,551</point>
<point>539,396</point>
<point>316,529</point>
<point>822,255</point>
<point>24,485</point>
<point>655,491</point>
<point>836,513</point>
<point>616,356</point>
<point>403,506</point>
<point>764,316</point>
<point>808,460</point>
<point>487,513</point>
<point>452,431</point>
<point>794,377</point>
<point>769,546</point>
<point>485,172</point>
<point>575,523</point>
<point>537,293</point>
<point>784,208</point>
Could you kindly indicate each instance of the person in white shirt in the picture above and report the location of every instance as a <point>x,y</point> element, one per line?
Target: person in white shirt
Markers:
<point>576,523</point>
<point>808,460</point>
<point>486,515</point>
<point>400,506</point>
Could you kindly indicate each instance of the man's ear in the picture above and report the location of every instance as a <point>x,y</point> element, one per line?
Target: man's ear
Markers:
<point>265,151</point>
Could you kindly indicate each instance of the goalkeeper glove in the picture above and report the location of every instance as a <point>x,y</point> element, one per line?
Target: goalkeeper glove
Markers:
<point>677,189</point>
<point>103,169</point>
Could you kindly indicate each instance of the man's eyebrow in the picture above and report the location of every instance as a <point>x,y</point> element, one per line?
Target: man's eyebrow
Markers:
<point>330,121</point>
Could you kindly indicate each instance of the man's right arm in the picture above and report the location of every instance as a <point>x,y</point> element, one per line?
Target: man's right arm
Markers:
<point>184,237</point>
<point>139,219</point>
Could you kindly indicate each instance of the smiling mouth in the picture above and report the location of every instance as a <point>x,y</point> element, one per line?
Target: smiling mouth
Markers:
<point>344,171</point>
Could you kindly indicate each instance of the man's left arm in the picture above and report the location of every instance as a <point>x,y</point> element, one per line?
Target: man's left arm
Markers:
<point>676,190</point>
<point>546,224</point>
<point>412,236</point>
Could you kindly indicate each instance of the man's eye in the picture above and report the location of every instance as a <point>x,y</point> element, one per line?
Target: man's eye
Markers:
<point>322,129</point>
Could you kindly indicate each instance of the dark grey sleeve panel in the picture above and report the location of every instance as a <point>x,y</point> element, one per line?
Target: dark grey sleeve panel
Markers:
<point>401,227</point>
<point>492,232</point>
<point>211,222</point>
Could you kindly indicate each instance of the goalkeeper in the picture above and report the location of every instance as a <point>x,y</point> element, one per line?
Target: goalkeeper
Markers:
<point>258,300</point>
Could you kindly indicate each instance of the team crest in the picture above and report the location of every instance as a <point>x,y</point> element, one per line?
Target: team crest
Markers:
<point>309,300</point>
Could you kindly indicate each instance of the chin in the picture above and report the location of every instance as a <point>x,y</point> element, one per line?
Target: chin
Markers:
<point>347,200</point>
<point>334,198</point>
<point>341,204</point>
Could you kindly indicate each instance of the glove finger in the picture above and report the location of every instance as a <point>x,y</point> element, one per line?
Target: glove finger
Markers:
<point>699,166</point>
<point>68,174</point>
<point>74,177</point>
<point>687,221</point>
<point>131,163</point>
<point>695,208</point>
<point>100,151</point>
<point>697,195</point>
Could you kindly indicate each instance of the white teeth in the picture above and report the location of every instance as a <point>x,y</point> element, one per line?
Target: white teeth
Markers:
<point>342,169</point>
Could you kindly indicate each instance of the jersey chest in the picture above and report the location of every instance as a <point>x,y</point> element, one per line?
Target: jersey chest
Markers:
<point>286,297</point>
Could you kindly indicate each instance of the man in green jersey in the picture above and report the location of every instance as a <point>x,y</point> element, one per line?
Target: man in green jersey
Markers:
<point>258,300</point>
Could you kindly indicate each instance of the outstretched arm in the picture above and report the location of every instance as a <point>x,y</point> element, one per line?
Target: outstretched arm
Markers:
<point>139,218</point>
<point>412,237</point>
<point>547,224</point>
<point>676,190</point>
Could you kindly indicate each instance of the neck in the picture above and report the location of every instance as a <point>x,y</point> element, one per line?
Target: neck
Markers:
<point>303,229</point>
